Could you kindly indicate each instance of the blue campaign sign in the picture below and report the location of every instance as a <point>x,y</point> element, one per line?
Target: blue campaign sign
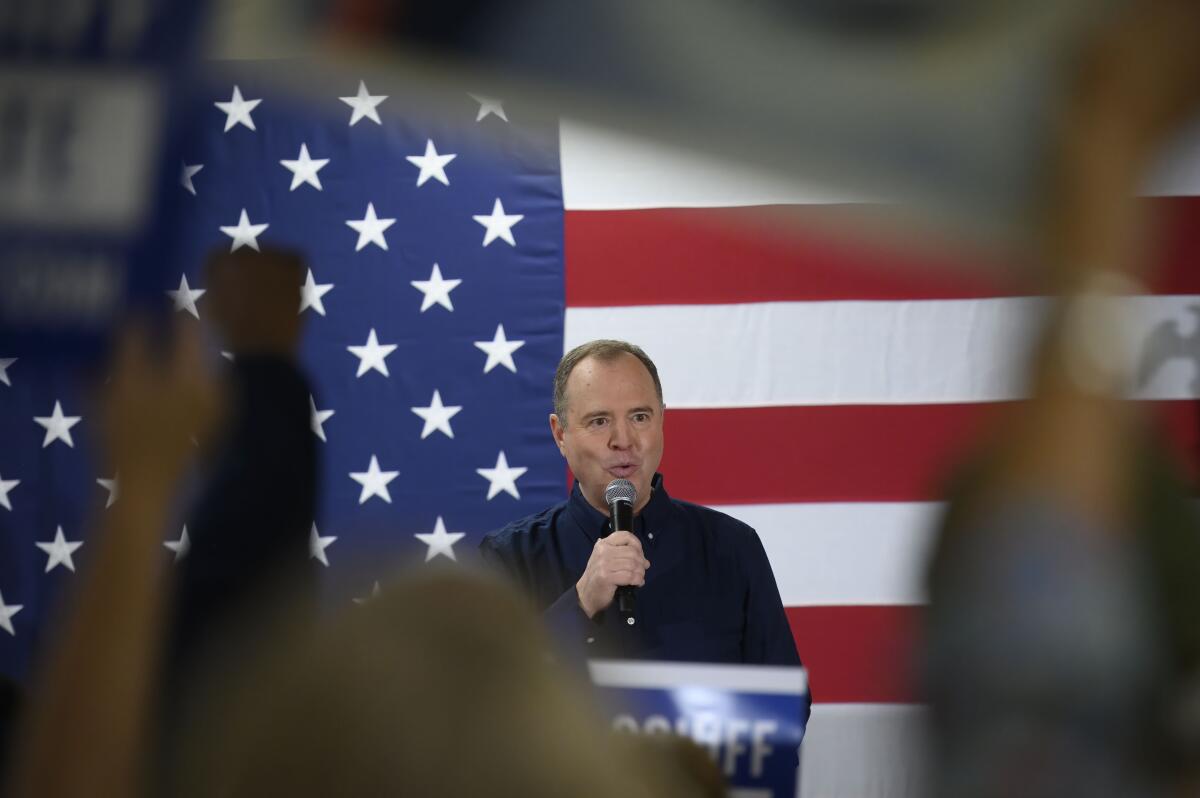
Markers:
<point>751,718</point>
<point>89,94</point>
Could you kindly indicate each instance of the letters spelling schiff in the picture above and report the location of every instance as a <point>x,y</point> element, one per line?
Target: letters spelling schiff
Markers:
<point>705,591</point>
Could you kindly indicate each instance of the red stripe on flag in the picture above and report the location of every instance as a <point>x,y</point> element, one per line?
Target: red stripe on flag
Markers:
<point>858,655</point>
<point>671,256</point>
<point>1177,232</point>
<point>1178,424</point>
<point>728,255</point>
<point>841,453</point>
<point>833,453</point>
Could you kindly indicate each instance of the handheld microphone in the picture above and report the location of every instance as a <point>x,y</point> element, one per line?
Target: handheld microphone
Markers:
<point>620,496</point>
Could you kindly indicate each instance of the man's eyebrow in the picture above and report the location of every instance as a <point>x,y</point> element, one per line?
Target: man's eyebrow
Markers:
<point>594,414</point>
<point>643,409</point>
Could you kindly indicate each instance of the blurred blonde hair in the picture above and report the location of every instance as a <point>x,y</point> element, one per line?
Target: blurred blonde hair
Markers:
<point>441,686</point>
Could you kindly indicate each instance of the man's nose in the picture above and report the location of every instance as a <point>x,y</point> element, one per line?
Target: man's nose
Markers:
<point>621,436</point>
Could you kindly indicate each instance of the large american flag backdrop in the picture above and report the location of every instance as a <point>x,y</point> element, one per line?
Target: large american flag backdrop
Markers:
<point>817,388</point>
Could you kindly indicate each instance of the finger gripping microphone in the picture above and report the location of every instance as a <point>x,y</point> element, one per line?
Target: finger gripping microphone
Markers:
<point>620,496</point>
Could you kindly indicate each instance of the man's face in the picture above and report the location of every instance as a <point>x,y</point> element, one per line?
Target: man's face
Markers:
<point>613,429</point>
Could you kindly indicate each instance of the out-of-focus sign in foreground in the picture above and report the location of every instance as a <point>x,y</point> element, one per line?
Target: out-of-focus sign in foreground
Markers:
<point>750,718</point>
<point>87,91</point>
<point>945,107</point>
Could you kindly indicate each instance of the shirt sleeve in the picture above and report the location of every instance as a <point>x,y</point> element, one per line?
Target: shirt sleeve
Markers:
<point>768,638</point>
<point>568,622</point>
<point>565,620</point>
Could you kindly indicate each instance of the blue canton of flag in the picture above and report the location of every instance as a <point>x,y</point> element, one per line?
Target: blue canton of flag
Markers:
<point>434,311</point>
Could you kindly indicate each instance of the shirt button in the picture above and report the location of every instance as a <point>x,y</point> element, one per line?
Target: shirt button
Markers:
<point>591,640</point>
<point>650,535</point>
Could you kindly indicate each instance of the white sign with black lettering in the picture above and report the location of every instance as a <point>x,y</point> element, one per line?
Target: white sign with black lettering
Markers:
<point>78,148</point>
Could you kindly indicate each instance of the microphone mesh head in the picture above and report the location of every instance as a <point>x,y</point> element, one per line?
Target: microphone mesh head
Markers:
<point>620,490</point>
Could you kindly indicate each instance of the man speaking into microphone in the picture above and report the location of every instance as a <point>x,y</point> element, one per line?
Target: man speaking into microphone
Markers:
<point>669,580</point>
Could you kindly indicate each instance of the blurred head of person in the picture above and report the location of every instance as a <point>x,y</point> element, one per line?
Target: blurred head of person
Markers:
<point>253,299</point>
<point>441,685</point>
<point>686,762</point>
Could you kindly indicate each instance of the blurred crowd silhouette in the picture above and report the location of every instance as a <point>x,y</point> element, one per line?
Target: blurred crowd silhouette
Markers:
<point>224,683</point>
<point>1063,637</point>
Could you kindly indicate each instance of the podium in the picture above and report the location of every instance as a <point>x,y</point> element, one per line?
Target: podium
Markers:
<point>751,718</point>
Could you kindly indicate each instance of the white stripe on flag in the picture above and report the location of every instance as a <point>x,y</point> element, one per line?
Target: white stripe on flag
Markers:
<point>606,170</point>
<point>603,169</point>
<point>845,553</point>
<point>865,749</point>
<point>825,353</point>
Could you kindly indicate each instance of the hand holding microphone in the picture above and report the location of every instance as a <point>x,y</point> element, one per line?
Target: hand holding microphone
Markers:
<point>617,564</point>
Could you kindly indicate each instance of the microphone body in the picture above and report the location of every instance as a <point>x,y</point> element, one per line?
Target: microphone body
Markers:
<point>620,495</point>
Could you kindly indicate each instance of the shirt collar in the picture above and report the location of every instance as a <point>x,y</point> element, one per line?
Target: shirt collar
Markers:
<point>595,523</point>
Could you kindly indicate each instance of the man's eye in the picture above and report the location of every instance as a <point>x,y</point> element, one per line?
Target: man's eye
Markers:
<point>597,422</point>
<point>641,417</point>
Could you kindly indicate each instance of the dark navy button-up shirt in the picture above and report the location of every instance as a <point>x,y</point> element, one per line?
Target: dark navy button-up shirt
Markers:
<point>709,595</point>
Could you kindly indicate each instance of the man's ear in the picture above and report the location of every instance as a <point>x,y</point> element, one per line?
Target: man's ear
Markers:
<point>558,430</point>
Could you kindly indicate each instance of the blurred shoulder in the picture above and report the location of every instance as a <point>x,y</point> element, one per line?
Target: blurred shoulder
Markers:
<point>718,522</point>
<point>525,533</point>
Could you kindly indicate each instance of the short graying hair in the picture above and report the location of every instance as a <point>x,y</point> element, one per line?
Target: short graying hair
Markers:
<point>605,350</point>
